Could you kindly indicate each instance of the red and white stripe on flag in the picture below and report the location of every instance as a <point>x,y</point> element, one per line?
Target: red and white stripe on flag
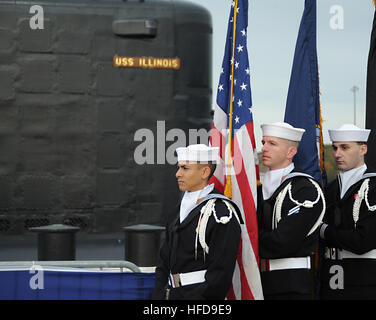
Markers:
<point>246,280</point>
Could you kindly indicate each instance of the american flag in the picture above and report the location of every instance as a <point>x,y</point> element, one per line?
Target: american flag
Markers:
<point>234,94</point>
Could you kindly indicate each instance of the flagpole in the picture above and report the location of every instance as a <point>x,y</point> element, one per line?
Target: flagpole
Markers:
<point>354,89</point>
<point>321,148</point>
<point>228,188</point>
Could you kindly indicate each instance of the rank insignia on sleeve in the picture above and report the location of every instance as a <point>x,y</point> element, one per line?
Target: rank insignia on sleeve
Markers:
<point>293,210</point>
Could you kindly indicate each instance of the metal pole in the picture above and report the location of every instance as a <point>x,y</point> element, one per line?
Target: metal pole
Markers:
<point>354,89</point>
<point>85,264</point>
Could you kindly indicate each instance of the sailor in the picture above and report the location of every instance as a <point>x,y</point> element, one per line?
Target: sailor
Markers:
<point>349,228</point>
<point>290,210</point>
<point>197,259</point>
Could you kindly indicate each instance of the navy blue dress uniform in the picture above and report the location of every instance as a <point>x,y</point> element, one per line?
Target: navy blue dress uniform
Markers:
<point>197,259</point>
<point>287,246</point>
<point>349,229</point>
<point>291,206</point>
<point>185,270</point>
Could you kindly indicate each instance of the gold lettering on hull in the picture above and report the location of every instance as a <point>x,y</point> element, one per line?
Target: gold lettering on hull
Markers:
<point>146,62</point>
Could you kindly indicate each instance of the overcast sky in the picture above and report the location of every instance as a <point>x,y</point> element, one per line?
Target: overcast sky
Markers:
<point>272,32</point>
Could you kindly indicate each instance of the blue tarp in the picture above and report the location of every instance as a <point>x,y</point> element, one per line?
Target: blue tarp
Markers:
<point>74,285</point>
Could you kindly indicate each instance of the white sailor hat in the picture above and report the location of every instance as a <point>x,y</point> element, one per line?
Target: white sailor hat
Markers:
<point>282,130</point>
<point>349,132</point>
<point>198,153</point>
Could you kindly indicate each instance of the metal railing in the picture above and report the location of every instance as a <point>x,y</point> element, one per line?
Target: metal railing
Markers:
<point>84,264</point>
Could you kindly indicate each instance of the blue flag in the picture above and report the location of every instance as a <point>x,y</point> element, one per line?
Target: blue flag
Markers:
<point>303,101</point>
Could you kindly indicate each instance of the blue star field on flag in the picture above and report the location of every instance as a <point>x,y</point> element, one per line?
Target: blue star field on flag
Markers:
<point>242,101</point>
